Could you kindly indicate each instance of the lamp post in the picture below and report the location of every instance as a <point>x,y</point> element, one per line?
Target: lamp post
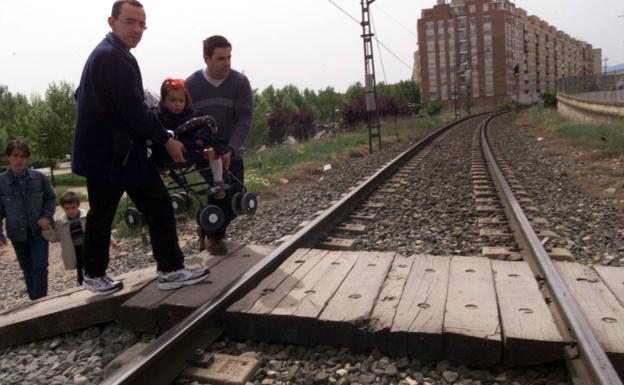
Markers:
<point>44,139</point>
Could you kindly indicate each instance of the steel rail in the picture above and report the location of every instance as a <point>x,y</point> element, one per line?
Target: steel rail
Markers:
<point>594,357</point>
<point>155,365</point>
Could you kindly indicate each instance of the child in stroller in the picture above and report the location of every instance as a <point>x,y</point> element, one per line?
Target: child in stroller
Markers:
<point>203,155</point>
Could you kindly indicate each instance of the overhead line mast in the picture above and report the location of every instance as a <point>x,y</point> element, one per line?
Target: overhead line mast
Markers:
<point>370,85</point>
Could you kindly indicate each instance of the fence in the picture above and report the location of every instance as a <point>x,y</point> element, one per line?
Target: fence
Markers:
<point>607,87</point>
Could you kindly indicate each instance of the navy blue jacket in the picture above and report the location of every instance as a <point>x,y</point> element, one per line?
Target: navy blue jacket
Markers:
<point>23,208</point>
<point>112,121</point>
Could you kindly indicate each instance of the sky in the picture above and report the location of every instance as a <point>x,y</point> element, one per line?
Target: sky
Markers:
<point>308,43</point>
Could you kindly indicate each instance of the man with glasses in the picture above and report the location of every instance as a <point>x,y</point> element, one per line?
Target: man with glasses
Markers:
<point>113,125</point>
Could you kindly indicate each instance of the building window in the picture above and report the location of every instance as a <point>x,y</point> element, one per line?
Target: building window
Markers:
<point>486,7</point>
<point>461,23</point>
<point>487,19</point>
<point>471,8</point>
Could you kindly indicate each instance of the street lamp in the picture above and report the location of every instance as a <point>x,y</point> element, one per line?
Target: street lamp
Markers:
<point>466,72</point>
<point>44,139</point>
<point>335,121</point>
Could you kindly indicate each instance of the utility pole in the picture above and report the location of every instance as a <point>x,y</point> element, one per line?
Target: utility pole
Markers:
<point>605,60</point>
<point>372,117</point>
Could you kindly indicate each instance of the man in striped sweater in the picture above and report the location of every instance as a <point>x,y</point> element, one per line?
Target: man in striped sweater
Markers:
<point>225,94</point>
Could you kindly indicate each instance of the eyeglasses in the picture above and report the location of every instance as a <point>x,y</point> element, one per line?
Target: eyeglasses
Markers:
<point>134,23</point>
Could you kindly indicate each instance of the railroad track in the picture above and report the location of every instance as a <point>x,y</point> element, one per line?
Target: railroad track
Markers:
<point>504,218</point>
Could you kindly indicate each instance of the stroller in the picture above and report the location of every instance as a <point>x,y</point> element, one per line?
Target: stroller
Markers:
<point>183,191</point>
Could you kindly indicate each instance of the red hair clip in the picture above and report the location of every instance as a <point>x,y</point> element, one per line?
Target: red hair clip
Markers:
<point>175,83</point>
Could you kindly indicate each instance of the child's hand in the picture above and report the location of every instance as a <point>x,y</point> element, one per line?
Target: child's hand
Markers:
<point>44,224</point>
<point>113,243</point>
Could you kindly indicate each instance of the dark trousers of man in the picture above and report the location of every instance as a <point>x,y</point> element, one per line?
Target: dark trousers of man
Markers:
<point>32,256</point>
<point>79,264</point>
<point>152,199</point>
<point>237,168</point>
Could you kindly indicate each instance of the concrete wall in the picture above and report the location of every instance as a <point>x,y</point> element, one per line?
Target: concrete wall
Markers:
<point>590,111</point>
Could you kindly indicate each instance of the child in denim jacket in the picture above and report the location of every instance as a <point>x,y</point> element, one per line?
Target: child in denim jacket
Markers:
<point>27,201</point>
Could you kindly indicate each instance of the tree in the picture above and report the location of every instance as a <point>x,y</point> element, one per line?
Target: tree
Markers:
<point>259,127</point>
<point>14,115</point>
<point>329,103</point>
<point>54,117</point>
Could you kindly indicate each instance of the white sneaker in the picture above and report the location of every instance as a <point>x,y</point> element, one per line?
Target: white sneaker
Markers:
<point>101,285</point>
<point>179,278</point>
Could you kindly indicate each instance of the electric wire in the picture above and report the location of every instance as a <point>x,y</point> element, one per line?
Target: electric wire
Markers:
<point>383,69</point>
<point>396,21</point>
<point>375,37</point>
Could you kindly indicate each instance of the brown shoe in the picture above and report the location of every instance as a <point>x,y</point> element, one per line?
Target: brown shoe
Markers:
<point>216,247</point>
<point>201,241</point>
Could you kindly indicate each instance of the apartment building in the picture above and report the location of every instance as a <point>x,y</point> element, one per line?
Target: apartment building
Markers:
<point>471,50</point>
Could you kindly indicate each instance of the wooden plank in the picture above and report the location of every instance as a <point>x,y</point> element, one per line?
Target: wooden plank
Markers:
<point>471,323</point>
<point>418,324</point>
<point>530,334</point>
<point>71,310</point>
<point>388,301</point>
<point>345,318</point>
<point>183,301</point>
<point>294,319</point>
<point>599,306</point>
<point>139,313</point>
<point>613,277</point>
<point>352,228</point>
<point>333,243</point>
<point>246,318</point>
<point>364,216</point>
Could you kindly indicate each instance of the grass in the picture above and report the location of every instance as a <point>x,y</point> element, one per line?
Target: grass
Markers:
<point>69,180</point>
<point>289,160</point>
<point>609,137</point>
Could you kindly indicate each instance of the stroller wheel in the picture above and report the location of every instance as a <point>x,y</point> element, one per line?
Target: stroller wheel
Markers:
<point>210,217</point>
<point>249,203</point>
<point>178,203</point>
<point>133,218</point>
<point>237,203</point>
<point>188,201</point>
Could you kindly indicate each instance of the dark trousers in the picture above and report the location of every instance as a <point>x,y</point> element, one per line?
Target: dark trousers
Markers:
<point>237,168</point>
<point>152,199</point>
<point>32,256</point>
<point>79,263</point>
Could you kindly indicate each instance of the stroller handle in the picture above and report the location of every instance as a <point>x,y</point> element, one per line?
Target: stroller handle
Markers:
<point>194,124</point>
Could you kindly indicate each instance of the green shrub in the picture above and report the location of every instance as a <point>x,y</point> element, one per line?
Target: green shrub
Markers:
<point>550,99</point>
<point>434,108</point>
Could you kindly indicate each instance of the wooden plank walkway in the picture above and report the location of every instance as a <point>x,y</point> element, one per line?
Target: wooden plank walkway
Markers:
<point>469,310</point>
<point>70,310</point>
<point>426,307</point>
<point>154,309</point>
<point>140,305</point>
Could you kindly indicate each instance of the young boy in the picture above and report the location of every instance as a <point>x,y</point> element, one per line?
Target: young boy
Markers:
<point>68,229</point>
<point>27,201</point>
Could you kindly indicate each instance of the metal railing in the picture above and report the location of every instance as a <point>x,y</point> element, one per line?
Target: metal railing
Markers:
<point>608,87</point>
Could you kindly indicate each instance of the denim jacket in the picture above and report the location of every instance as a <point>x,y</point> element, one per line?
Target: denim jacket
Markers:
<point>23,209</point>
